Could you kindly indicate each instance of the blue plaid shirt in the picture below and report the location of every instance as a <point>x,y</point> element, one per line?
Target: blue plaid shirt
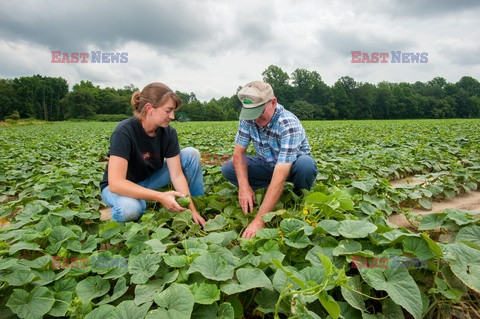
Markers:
<point>282,140</point>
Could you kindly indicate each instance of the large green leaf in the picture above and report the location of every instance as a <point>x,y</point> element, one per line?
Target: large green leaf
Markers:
<point>432,221</point>
<point>119,290</point>
<point>92,287</point>
<point>418,247</point>
<point>176,302</point>
<point>18,277</point>
<point>470,234</point>
<point>143,266</point>
<point>23,246</point>
<point>62,303</point>
<point>356,228</point>
<point>104,311</point>
<point>329,304</point>
<point>247,279</point>
<point>399,285</point>
<point>129,310</point>
<point>34,304</point>
<point>465,263</point>
<point>352,294</point>
<point>216,223</point>
<point>205,294</point>
<point>212,266</point>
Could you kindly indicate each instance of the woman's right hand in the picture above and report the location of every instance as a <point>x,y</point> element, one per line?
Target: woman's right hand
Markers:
<point>167,199</point>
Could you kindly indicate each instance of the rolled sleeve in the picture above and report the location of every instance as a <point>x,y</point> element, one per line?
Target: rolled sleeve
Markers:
<point>243,135</point>
<point>290,145</point>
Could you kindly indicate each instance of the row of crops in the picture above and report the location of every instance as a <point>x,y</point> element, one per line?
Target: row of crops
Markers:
<point>326,253</point>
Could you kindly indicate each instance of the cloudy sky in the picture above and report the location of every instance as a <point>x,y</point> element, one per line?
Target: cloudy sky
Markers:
<point>212,47</point>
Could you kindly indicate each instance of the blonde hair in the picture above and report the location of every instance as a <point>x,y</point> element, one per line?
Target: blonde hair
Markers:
<point>155,93</point>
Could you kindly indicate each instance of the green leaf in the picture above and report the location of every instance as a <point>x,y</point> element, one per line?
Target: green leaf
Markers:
<point>470,234</point>
<point>347,247</point>
<point>157,245</point>
<point>24,246</point>
<point>330,226</point>
<point>356,228</point>
<point>175,261</point>
<point>226,311</point>
<point>146,293</point>
<point>129,310</point>
<point>104,311</point>
<point>266,300</point>
<point>434,247</point>
<point>31,305</point>
<point>365,186</point>
<point>329,304</point>
<point>119,290</point>
<point>62,303</point>
<point>212,266</point>
<point>142,267</point>
<point>36,263</point>
<point>399,285</point>
<point>18,277</point>
<point>465,264</point>
<point>432,221</point>
<point>5,264</point>
<point>92,287</point>
<point>247,279</point>
<point>204,293</point>
<point>176,302</point>
<point>216,223</point>
<point>291,225</point>
<point>418,247</point>
<point>354,298</point>
<point>59,234</point>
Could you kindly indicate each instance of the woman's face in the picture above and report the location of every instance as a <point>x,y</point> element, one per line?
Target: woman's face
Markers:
<point>163,114</point>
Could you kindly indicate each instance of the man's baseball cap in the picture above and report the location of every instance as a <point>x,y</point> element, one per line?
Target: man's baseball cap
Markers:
<point>253,96</point>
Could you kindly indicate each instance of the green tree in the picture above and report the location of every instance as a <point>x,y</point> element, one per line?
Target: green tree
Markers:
<point>275,76</point>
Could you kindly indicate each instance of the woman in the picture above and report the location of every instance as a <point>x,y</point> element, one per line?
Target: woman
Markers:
<point>144,155</point>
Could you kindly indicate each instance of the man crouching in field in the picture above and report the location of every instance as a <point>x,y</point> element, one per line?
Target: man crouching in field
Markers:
<point>282,152</point>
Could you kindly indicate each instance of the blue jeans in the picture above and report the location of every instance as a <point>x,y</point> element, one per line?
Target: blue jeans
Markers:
<point>302,174</point>
<point>126,208</point>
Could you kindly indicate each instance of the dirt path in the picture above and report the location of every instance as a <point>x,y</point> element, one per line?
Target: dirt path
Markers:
<point>469,201</point>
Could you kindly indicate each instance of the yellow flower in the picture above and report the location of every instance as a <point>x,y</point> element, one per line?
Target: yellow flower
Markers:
<point>314,224</point>
<point>308,221</point>
<point>280,233</point>
<point>305,212</point>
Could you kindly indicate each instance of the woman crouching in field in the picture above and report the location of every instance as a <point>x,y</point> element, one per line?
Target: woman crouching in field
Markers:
<point>144,155</point>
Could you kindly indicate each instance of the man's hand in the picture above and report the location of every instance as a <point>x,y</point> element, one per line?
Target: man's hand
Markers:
<point>256,224</point>
<point>246,198</point>
<point>167,199</point>
<point>198,219</point>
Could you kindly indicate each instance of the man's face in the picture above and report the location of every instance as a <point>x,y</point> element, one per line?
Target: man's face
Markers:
<point>267,114</point>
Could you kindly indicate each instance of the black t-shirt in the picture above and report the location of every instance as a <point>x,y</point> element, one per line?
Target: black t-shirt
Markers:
<point>145,154</point>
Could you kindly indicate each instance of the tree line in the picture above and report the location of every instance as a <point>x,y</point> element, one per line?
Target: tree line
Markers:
<point>303,92</point>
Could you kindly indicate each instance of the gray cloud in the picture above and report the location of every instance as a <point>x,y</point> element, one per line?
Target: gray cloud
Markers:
<point>211,47</point>
<point>71,26</point>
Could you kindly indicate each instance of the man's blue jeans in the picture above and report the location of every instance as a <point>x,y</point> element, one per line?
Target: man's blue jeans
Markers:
<point>127,208</point>
<point>302,174</point>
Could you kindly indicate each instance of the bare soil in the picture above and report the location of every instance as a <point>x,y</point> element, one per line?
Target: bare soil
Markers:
<point>469,201</point>
<point>106,213</point>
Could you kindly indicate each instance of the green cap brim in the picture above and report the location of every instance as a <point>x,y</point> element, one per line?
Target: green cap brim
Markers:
<point>251,113</point>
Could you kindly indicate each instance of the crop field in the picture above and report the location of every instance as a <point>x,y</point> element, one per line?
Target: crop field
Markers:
<point>331,252</point>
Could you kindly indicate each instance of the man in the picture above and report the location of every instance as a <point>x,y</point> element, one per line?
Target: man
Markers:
<point>282,152</point>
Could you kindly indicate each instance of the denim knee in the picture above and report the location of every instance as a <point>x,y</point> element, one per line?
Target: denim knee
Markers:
<point>190,154</point>
<point>304,172</point>
<point>228,172</point>
<point>127,209</point>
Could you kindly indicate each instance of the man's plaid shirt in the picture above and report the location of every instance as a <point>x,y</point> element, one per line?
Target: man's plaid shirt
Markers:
<point>282,140</point>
